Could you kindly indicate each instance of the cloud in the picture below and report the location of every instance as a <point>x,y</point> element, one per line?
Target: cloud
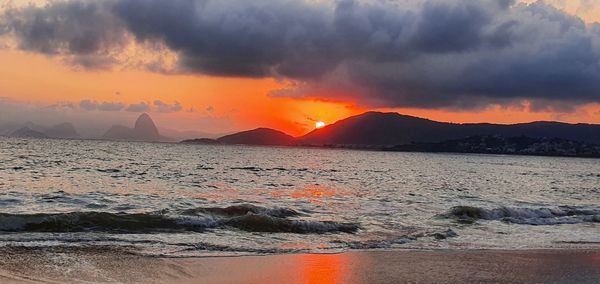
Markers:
<point>63,106</point>
<point>87,33</point>
<point>160,106</point>
<point>164,107</point>
<point>422,53</point>
<point>139,107</point>
<point>101,106</point>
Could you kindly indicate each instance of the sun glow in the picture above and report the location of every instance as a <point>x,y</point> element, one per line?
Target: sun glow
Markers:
<point>319,124</point>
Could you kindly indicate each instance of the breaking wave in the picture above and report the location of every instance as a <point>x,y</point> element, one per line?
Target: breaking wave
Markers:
<point>95,221</point>
<point>248,218</point>
<point>263,223</point>
<point>526,216</point>
<point>242,209</point>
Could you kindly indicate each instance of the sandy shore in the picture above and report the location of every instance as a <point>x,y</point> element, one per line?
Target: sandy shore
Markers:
<point>21,265</point>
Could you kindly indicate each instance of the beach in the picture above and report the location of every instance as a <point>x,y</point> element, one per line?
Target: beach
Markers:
<point>299,141</point>
<point>105,265</point>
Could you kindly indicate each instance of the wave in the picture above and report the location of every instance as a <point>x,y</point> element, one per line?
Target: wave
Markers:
<point>526,216</point>
<point>263,223</point>
<point>248,218</point>
<point>398,240</point>
<point>95,221</point>
<point>243,209</point>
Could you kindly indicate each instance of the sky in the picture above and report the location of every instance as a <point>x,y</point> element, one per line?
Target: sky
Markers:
<point>222,66</point>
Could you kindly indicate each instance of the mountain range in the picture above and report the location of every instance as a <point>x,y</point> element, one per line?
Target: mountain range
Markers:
<point>390,129</point>
<point>383,130</point>
<point>144,129</point>
<point>373,130</point>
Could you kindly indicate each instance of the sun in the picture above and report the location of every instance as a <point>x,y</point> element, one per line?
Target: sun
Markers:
<point>319,124</point>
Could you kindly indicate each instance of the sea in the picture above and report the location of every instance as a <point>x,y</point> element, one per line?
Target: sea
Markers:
<point>176,200</point>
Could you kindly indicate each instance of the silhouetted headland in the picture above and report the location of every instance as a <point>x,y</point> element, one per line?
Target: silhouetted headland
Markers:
<point>396,132</point>
<point>259,136</point>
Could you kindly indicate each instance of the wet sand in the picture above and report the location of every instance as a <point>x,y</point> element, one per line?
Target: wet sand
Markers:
<point>59,265</point>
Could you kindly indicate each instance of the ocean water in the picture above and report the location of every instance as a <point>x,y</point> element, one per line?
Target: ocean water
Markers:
<point>204,200</point>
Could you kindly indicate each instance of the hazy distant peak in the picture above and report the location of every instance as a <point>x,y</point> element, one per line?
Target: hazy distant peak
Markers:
<point>143,116</point>
<point>145,127</point>
<point>144,130</point>
<point>34,126</point>
<point>63,130</point>
<point>26,132</point>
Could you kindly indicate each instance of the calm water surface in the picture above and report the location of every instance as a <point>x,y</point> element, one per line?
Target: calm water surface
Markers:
<point>195,200</point>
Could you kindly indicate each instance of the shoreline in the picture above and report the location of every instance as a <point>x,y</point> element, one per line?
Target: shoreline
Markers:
<point>383,149</point>
<point>105,264</point>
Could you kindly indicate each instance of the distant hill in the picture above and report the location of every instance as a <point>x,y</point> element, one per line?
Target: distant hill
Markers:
<point>63,130</point>
<point>259,136</point>
<point>388,129</point>
<point>32,130</point>
<point>521,145</point>
<point>377,130</point>
<point>143,130</point>
<point>206,141</point>
<point>26,132</point>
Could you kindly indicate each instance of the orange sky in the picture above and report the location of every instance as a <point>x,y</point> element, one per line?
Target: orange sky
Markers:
<point>39,80</point>
<point>244,103</point>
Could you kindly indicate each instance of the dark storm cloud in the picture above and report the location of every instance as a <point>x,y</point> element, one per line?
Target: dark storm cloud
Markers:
<point>101,106</point>
<point>234,38</point>
<point>546,56</point>
<point>420,53</point>
<point>84,31</point>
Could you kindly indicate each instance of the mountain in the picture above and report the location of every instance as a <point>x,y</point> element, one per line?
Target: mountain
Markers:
<point>26,132</point>
<point>389,129</point>
<point>63,130</point>
<point>521,145</point>
<point>259,136</point>
<point>144,130</point>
